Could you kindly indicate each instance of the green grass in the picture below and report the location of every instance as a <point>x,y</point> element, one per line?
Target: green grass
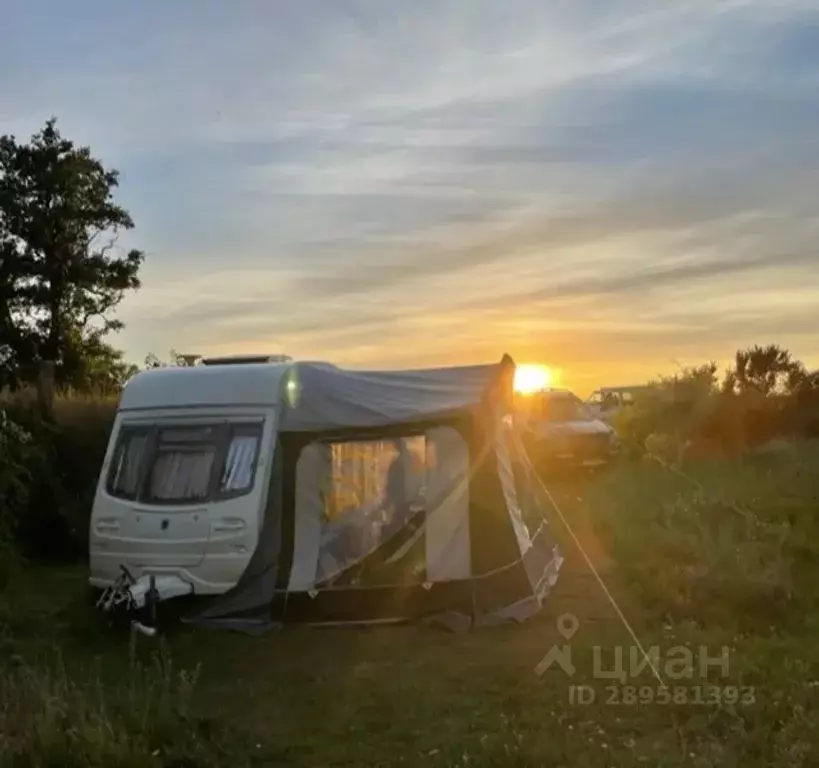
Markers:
<point>728,558</point>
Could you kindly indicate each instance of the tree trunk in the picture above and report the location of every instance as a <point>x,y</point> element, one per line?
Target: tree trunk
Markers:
<point>45,389</point>
<point>51,347</point>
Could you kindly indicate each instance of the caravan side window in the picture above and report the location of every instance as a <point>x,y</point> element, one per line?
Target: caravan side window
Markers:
<point>240,460</point>
<point>129,456</point>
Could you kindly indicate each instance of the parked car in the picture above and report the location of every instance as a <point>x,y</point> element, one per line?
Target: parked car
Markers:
<point>559,429</point>
<point>606,402</point>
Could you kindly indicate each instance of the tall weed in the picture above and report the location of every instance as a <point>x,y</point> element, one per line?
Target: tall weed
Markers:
<point>51,716</point>
<point>717,542</point>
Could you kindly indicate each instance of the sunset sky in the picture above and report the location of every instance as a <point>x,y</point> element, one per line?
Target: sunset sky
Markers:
<point>609,187</point>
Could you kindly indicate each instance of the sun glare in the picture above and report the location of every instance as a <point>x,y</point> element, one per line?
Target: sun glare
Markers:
<point>531,378</point>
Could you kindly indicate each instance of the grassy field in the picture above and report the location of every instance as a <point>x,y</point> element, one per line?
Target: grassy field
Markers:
<point>724,557</point>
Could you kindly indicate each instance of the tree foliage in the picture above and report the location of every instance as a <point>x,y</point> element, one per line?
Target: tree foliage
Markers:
<point>175,360</point>
<point>766,393</point>
<point>15,445</point>
<point>764,370</point>
<point>62,273</point>
<point>690,383</point>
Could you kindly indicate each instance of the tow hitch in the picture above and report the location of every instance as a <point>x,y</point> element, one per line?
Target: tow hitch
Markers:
<point>122,597</point>
<point>138,598</point>
<point>119,594</point>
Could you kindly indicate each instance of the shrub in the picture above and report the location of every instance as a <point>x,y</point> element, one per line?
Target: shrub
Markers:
<point>48,518</point>
<point>766,395</point>
<point>15,451</point>
<point>712,424</point>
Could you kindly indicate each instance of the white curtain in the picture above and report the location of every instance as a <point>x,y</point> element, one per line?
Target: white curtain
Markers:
<point>238,470</point>
<point>181,474</point>
<point>126,475</point>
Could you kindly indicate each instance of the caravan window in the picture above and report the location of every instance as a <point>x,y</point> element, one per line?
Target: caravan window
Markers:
<point>240,460</point>
<point>185,463</point>
<point>182,464</point>
<point>129,457</point>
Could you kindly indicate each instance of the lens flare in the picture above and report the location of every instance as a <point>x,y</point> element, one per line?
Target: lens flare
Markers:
<point>532,378</point>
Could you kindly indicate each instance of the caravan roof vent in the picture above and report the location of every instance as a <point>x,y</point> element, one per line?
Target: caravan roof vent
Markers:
<point>245,359</point>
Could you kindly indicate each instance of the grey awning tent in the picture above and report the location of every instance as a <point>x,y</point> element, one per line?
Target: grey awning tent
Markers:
<point>467,541</point>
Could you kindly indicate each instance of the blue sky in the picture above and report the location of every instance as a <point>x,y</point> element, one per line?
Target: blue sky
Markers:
<point>609,187</point>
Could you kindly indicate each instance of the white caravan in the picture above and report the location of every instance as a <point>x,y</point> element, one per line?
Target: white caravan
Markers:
<point>301,492</point>
<point>192,528</point>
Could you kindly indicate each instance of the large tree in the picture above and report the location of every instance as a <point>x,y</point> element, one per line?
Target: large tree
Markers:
<point>61,271</point>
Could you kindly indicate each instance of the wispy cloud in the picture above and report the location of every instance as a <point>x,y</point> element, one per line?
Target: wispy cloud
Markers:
<point>586,181</point>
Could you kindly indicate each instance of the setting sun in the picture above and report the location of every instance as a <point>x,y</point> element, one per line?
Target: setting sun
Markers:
<point>532,378</point>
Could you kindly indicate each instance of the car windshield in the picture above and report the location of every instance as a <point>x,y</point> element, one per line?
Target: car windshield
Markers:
<point>559,409</point>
